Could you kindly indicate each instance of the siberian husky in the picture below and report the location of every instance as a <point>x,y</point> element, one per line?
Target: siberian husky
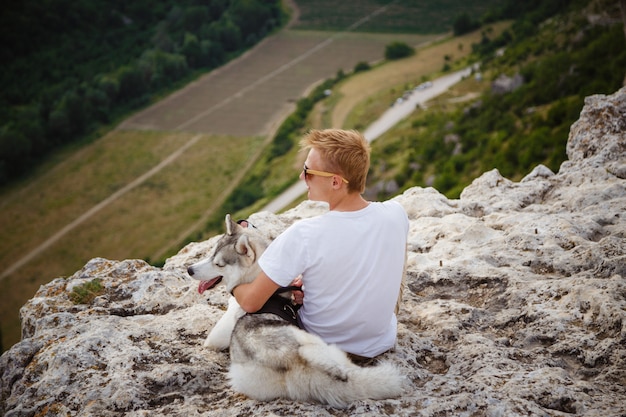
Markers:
<point>270,357</point>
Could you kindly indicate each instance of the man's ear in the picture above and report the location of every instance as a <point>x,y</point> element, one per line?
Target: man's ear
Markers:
<point>244,247</point>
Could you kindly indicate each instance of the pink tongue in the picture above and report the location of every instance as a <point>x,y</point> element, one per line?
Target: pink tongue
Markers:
<point>206,285</point>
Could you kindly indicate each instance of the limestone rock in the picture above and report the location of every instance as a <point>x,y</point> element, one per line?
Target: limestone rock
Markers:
<point>514,305</point>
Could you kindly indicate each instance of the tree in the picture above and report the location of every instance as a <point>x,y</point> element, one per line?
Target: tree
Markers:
<point>361,66</point>
<point>165,68</point>
<point>212,53</point>
<point>250,16</point>
<point>13,148</point>
<point>68,118</point>
<point>194,17</point>
<point>226,33</point>
<point>464,24</point>
<point>132,83</point>
<point>397,50</point>
<point>98,103</point>
<point>192,50</point>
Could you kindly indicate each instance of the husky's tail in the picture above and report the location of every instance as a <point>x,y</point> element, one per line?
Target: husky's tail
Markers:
<point>336,381</point>
<point>313,371</point>
<point>337,387</point>
<point>373,383</point>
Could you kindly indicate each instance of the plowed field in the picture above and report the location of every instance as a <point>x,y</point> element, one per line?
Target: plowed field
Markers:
<point>249,96</point>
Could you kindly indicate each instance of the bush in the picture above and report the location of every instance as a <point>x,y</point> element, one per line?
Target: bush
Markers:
<point>84,294</point>
<point>398,50</point>
<point>464,24</point>
<point>361,66</point>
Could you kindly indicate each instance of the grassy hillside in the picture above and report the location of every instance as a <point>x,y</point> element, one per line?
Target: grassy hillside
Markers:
<point>555,46</point>
<point>563,50</point>
<point>472,129</point>
<point>279,168</point>
<point>141,223</point>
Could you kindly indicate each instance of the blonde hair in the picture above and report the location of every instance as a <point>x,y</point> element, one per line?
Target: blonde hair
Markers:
<point>345,152</point>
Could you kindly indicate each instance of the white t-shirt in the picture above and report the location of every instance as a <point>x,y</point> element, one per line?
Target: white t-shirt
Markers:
<point>351,265</point>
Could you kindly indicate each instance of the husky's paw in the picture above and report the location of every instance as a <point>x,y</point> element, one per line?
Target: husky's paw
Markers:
<point>219,337</point>
<point>216,342</point>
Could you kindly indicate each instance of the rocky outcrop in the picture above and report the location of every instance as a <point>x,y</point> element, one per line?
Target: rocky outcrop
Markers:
<point>505,84</point>
<point>514,305</point>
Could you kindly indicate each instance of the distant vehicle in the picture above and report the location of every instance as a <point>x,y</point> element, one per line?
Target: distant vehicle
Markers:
<point>423,86</point>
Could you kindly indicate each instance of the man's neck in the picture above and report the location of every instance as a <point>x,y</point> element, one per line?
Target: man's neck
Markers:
<point>349,202</point>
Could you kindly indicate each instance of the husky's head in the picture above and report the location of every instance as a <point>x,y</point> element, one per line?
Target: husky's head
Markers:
<point>234,260</point>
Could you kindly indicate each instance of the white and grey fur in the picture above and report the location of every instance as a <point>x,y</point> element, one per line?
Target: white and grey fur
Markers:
<point>271,358</point>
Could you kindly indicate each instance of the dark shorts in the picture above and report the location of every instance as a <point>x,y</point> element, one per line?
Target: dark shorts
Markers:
<point>364,360</point>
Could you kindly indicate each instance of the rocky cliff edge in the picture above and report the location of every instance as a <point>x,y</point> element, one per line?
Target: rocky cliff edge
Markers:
<point>515,305</point>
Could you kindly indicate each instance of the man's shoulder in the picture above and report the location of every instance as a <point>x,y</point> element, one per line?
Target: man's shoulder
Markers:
<point>392,205</point>
<point>393,212</point>
<point>304,225</point>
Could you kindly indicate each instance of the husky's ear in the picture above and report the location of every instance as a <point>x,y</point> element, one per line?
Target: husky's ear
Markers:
<point>231,226</point>
<point>244,247</point>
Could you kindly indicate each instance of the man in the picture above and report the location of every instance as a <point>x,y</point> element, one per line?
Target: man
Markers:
<point>351,259</point>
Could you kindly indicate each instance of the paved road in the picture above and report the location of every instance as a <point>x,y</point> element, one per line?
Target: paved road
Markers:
<point>389,119</point>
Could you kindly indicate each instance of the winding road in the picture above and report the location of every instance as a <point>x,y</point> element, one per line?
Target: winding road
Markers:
<point>389,119</point>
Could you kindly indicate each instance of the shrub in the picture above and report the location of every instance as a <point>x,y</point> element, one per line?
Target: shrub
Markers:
<point>85,293</point>
<point>398,50</point>
<point>464,24</point>
<point>361,66</point>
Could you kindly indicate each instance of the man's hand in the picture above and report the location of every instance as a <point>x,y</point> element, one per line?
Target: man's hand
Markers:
<point>297,296</point>
<point>253,295</point>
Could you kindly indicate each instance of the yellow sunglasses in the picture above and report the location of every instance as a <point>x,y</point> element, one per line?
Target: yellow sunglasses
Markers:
<point>308,171</point>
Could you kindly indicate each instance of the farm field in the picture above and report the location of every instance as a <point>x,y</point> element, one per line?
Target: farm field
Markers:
<point>252,95</point>
<point>225,118</point>
<point>398,16</point>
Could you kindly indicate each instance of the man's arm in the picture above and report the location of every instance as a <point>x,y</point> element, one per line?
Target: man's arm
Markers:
<point>253,295</point>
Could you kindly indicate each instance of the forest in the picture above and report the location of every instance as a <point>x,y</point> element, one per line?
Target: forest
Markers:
<point>72,67</point>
